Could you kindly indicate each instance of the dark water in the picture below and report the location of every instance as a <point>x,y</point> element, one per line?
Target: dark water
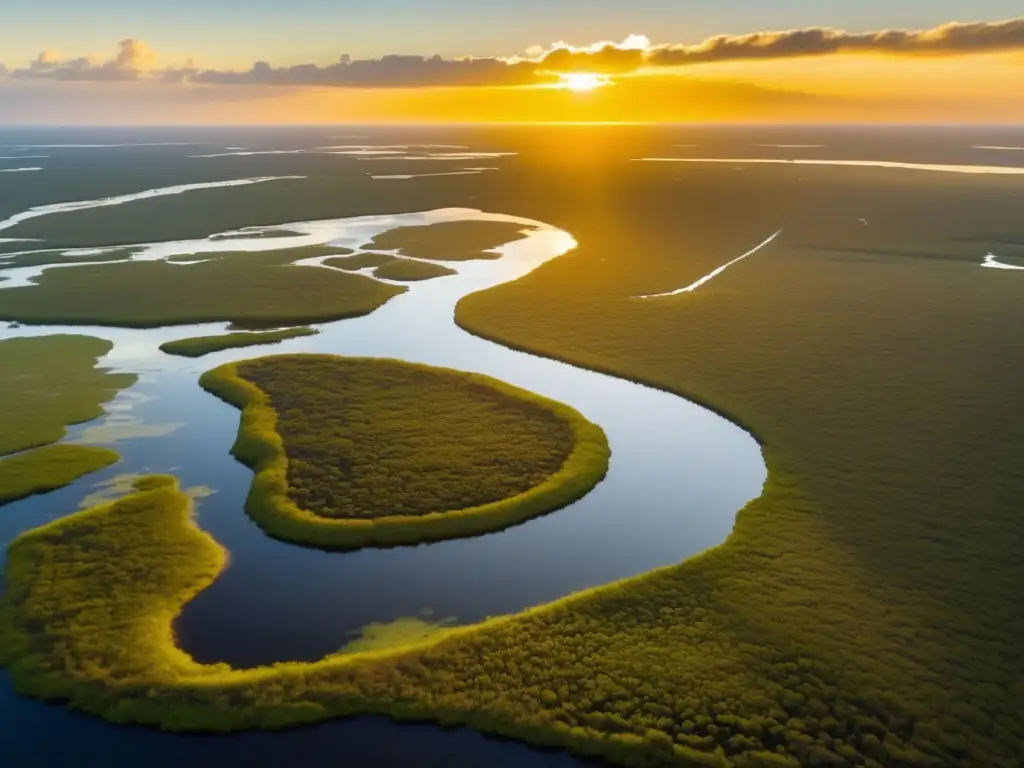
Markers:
<point>37,734</point>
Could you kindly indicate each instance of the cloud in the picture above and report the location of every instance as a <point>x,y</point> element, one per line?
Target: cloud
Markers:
<point>955,38</point>
<point>393,71</point>
<point>133,59</point>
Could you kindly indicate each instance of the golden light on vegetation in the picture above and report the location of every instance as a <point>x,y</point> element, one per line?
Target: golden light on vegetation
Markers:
<point>582,81</point>
<point>486,455</point>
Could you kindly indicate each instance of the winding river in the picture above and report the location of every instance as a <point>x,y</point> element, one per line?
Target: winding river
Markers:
<point>678,475</point>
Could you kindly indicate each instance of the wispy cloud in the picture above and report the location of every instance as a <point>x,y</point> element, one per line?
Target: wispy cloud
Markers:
<point>134,59</point>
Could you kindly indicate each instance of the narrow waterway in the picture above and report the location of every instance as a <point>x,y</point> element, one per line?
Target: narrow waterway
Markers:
<point>678,474</point>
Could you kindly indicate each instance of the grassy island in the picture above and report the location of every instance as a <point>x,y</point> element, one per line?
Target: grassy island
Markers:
<point>450,240</point>
<point>46,384</point>
<point>360,261</point>
<point>410,271</point>
<point>50,382</point>
<point>255,290</point>
<point>204,345</point>
<point>49,468</point>
<point>350,452</point>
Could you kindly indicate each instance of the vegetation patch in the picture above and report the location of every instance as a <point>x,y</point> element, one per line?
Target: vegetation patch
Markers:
<point>50,382</point>
<point>450,240</point>
<point>283,255</point>
<point>46,258</point>
<point>260,290</point>
<point>47,469</point>
<point>204,345</point>
<point>405,631</point>
<point>350,452</point>
<point>87,618</point>
<point>411,271</point>
<point>360,261</point>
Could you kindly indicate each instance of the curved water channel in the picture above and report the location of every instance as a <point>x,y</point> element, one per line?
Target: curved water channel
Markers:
<point>678,475</point>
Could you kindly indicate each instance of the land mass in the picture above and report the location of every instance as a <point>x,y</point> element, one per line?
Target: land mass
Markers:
<point>49,468</point>
<point>406,270</point>
<point>198,346</point>
<point>257,290</point>
<point>450,240</point>
<point>50,382</point>
<point>350,452</point>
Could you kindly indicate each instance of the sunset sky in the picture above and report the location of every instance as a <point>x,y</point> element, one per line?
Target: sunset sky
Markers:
<point>331,61</point>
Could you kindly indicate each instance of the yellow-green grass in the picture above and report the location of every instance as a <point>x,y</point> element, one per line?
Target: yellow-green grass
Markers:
<point>204,345</point>
<point>449,240</point>
<point>360,261</point>
<point>87,618</point>
<point>47,383</point>
<point>404,631</point>
<point>863,612</point>
<point>411,271</point>
<point>47,469</point>
<point>259,290</point>
<point>352,452</point>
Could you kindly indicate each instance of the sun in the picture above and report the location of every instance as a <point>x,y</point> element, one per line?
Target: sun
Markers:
<point>582,81</point>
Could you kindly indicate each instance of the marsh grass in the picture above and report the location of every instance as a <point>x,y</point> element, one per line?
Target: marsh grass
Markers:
<point>204,345</point>
<point>450,240</point>
<point>48,383</point>
<point>360,261</point>
<point>405,631</point>
<point>406,270</point>
<point>49,468</point>
<point>257,290</point>
<point>350,452</point>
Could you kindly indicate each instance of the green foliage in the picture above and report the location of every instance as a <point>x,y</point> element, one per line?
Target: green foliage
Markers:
<point>259,290</point>
<point>51,382</point>
<point>71,620</point>
<point>450,240</point>
<point>360,261</point>
<point>204,345</point>
<point>407,270</point>
<point>49,468</point>
<point>350,452</point>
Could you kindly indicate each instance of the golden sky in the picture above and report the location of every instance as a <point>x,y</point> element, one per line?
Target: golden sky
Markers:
<point>956,72</point>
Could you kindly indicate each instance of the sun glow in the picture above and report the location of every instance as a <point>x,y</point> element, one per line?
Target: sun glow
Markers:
<point>582,81</point>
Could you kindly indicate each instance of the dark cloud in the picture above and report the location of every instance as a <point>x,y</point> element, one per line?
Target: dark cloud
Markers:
<point>394,71</point>
<point>948,39</point>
